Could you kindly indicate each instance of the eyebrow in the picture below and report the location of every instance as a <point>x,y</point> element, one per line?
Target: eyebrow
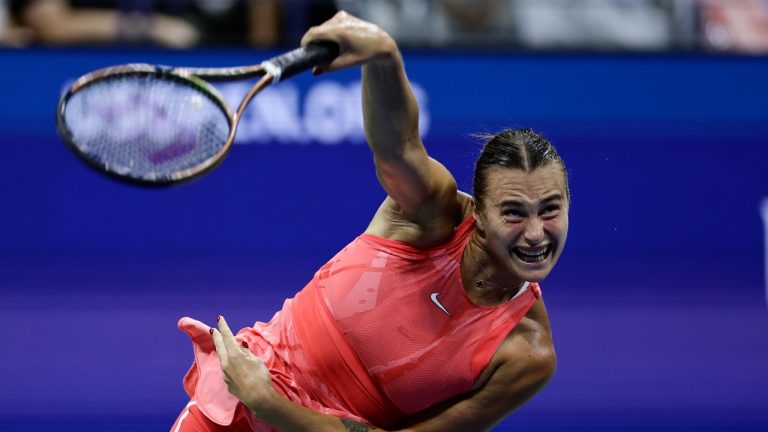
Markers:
<point>546,200</point>
<point>553,197</point>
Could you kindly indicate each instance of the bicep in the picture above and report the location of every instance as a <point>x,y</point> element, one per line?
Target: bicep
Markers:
<point>509,387</point>
<point>421,186</point>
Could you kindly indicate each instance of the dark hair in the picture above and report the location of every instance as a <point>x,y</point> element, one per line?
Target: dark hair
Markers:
<point>523,149</point>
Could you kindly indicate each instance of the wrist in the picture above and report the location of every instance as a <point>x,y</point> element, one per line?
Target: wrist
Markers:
<point>388,63</point>
<point>389,53</point>
<point>265,402</point>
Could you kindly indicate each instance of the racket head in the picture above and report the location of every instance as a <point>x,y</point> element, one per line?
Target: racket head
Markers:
<point>145,124</point>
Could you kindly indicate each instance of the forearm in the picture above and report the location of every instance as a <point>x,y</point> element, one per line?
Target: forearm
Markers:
<point>288,416</point>
<point>390,110</point>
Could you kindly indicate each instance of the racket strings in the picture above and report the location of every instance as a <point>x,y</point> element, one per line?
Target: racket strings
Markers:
<point>147,126</point>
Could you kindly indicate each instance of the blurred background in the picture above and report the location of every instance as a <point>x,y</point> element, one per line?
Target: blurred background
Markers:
<point>658,306</point>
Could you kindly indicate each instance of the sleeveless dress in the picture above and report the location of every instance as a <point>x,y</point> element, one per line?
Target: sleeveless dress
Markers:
<point>383,330</point>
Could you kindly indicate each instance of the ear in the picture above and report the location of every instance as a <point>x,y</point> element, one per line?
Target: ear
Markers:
<point>479,216</point>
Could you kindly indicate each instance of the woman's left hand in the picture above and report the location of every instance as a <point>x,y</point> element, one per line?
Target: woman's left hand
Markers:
<point>246,376</point>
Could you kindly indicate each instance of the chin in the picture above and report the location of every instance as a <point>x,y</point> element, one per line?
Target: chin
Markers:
<point>532,272</point>
<point>533,276</point>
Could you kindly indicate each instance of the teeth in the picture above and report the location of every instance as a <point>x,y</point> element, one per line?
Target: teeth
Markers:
<point>534,255</point>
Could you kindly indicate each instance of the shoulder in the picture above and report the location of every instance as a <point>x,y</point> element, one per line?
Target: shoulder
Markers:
<point>526,353</point>
<point>389,222</point>
<point>529,341</point>
<point>519,369</point>
<point>528,349</point>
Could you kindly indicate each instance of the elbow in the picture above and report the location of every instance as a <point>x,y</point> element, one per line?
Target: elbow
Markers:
<point>542,367</point>
<point>550,364</point>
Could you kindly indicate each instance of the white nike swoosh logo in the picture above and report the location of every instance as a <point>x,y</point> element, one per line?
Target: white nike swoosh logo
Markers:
<point>433,296</point>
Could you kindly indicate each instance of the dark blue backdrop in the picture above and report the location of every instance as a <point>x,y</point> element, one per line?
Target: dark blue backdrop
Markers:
<point>658,306</point>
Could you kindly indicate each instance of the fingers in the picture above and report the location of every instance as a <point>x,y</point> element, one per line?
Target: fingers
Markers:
<point>309,36</point>
<point>359,42</point>
<point>325,31</point>
<point>229,338</point>
<point>221,348</point>
<point>224,340</point>
<point>224,327</point>
<point>318,33</point>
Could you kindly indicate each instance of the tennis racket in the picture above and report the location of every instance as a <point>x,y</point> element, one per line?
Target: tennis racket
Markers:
<point>160,125</point>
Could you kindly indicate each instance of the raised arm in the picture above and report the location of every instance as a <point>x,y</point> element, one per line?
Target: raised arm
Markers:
<point>423,190</point>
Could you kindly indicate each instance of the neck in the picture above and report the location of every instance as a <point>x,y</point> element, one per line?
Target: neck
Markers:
<point>484,282</point>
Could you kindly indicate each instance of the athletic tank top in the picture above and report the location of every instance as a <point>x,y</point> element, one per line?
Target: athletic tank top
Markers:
<point>405,314</point>
<point>383,330</point>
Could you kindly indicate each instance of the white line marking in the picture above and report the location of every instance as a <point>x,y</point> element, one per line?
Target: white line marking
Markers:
<point>522,290</point>
<point>183,416</point>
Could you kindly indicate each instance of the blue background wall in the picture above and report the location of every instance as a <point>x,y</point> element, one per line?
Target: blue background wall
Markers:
<point>658,305</point>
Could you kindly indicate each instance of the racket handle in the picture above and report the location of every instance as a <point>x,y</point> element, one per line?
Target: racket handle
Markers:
<point>297,61</point>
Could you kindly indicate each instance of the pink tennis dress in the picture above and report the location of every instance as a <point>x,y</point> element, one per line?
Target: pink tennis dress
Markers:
<point>383,330</point>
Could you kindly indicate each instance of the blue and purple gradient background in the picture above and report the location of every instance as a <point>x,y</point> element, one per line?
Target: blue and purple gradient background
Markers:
<point>658,305</point>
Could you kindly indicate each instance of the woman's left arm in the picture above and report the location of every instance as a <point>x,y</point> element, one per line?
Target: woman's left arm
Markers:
<point>250,381</point>
<point>526,363</point>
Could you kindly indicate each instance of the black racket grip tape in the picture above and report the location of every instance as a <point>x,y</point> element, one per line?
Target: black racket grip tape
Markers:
<point>297,61</point>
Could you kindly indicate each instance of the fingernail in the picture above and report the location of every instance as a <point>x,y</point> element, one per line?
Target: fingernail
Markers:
<point>218,318</point>
<point>210,330</point>
<point>244,344</point>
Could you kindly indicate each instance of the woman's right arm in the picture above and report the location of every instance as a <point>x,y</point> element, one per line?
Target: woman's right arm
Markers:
<point>423,189</point>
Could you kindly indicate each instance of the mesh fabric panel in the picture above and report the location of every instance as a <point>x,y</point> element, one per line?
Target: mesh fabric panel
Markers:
<point>405,313</point>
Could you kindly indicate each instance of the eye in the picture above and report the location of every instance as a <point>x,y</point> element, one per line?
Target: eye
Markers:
<point>511,213</point>
<point>550,211</point>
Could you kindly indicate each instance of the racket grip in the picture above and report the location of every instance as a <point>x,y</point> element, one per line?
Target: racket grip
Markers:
<point>297,61</point>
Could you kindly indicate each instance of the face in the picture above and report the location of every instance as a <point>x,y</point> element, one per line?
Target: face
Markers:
<point>524,220</point>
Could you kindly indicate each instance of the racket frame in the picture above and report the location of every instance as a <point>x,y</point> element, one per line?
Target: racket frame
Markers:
<point>200,79</point>
<point>191,77</point>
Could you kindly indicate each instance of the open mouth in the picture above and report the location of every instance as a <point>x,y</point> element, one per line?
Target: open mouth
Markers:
<point>532,255</point>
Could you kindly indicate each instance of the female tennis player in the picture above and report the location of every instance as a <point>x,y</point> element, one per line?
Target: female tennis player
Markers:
<point>432,319</point>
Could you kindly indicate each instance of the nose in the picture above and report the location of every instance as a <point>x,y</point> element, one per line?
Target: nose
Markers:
<point>534,231</point>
